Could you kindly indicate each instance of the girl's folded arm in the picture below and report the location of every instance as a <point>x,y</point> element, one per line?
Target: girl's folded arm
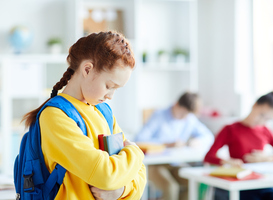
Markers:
<point>64,143</point>
<point>135,188</point>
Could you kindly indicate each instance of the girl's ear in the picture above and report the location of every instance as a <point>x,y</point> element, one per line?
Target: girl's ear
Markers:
<point>87,68</point>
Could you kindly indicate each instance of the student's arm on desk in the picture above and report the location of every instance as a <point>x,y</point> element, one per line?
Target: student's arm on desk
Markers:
<point>221,140</point>
<point>258,155</point>
<point>178,143</point>
<point>201,135</point>
<point>233,162</point>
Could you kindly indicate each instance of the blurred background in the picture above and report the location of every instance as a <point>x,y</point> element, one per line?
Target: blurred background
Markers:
<point>221,49</point>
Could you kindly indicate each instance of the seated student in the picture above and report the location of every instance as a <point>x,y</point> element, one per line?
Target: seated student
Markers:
<point>175,126</point>
<point>246,140</point>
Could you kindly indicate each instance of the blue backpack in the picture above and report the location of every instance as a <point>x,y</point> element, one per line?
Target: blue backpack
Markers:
<point>31,177</point>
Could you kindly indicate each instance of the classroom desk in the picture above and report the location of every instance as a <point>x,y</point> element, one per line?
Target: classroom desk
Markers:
<point>197,175</point>
<point>173,155</point>
<point>176,155</point>
<point>6,194</point>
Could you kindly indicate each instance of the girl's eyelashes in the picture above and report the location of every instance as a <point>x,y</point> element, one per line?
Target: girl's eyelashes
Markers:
<point>109,87</point>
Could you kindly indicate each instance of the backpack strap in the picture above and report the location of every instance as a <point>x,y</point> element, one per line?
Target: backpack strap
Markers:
<point>63,104</point>
<point>105,109</point>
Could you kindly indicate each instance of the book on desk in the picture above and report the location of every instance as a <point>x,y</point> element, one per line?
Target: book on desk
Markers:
<point>235,173</point>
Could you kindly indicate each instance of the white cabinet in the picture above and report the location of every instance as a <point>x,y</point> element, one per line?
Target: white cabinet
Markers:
<point>163,27</point>
<point>26,82</point>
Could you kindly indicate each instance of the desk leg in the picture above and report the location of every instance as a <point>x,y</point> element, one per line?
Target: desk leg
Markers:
<point>193,189</point>
<point>145,192</point>
<point>234,195</point>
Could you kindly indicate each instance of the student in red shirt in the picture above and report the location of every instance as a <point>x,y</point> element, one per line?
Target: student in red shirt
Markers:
<point>246,140</point>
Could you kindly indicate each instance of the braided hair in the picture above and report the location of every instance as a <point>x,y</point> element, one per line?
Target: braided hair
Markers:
<point>104,48</point>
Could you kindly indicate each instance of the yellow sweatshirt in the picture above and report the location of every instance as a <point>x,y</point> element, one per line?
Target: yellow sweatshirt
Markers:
<point>63,142</point>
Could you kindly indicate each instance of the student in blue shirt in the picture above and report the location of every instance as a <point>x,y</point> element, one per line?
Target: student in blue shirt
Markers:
<point>175,126</point>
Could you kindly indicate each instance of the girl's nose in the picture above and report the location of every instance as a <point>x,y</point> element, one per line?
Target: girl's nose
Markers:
<point>109,95</point>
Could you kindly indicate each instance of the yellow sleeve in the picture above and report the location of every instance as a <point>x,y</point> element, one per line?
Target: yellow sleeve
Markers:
<point>116,128</point>
<point>135,188</point>
<point>63,142</point>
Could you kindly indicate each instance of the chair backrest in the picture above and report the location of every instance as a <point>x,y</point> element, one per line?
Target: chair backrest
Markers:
<point>146,114</point>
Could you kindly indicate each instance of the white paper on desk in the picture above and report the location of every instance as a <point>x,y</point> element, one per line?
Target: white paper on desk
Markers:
<point>263,168</point>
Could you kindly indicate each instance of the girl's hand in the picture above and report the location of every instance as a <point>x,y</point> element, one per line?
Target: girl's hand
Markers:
<point>128,142</point>
<point>106,194</point>
<point>233,162</point>
<point>257,156</point>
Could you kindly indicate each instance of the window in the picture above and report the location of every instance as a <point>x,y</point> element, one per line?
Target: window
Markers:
<point>263,46</point>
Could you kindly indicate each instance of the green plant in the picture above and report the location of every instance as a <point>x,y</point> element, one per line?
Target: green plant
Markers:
<point>179,51</point>
<point>144,56</point>
<point>160,52</point>
<point>54,40</point>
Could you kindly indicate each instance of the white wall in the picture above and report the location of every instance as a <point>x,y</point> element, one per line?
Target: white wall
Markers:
<point>45,18</point>
<point>220,56</point>
<point>216,54</point>
<point>244,69</point>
